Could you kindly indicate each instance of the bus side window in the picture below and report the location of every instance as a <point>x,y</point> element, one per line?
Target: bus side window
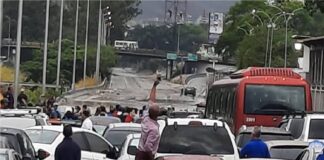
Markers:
<point>209,104</point>
<point>224,102</point>
<point>218,102</point>
<point>233,104</point>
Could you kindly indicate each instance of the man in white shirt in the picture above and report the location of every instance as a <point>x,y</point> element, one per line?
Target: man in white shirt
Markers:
<point>87,123</point>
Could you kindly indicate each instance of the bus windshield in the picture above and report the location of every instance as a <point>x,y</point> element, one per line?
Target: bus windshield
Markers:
<point>274,99</point>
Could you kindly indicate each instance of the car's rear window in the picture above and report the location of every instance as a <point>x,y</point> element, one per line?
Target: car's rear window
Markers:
<point>9,141</point>
<point>199,140</point>
<point>244,138</point>
<point>316,129</point>
<point>286,152</point>
<point>42,136</point>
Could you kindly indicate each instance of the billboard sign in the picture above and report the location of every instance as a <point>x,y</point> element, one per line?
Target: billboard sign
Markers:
<point>216,23</point>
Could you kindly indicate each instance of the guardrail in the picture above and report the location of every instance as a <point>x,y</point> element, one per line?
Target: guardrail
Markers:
<point>78,92</point>
<point>199,75</point>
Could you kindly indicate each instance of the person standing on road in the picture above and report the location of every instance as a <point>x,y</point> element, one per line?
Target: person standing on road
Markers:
<point>10,98</point>
<point>67,149</point>
<point>150,136</point>
<point>22,98</point>
<point>87,123</point>
<point>320,156</point>
<point>256,148</point>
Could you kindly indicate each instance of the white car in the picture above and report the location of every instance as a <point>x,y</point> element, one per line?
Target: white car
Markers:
<point>129,148</point>
<point>204,137</point>
<point>9,154</point>
<point>312,152</point>
<point>93,146</point>
<point>117,133</point>
<point>22,118</point>
<point>286,149</point>
<point>308,127</point>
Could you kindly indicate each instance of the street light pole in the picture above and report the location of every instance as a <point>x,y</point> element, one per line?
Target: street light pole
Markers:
<point>271,39</point>
<point>98,43</point>
<point>86,46</point>
<point>286,40</point>
<point>45,48</point>
<point>59,48</point>
<point>178,43</point>
<point>9,35</point>
<point>19,26</point>
<point>75,43</point>
<point>267,48</point>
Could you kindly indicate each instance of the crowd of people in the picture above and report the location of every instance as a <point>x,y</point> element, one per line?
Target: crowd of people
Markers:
<point>7,98</point>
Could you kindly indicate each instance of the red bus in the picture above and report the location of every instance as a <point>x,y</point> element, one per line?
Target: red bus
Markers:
<point>258,97</point>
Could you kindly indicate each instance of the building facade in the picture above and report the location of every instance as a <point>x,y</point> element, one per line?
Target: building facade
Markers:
<point>313,65</point>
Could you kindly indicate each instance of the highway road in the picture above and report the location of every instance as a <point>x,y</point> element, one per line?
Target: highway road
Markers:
<point>132,89</point>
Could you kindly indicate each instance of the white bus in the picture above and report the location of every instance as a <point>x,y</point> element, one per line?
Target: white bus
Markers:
<point>126,45</point>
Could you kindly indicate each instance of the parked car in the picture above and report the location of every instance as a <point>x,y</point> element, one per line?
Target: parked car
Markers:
<point>9,154</point>
<point>189,91</point>
<point>188,157</point>
<point>308,127</point>
<point>311,152</point>
<point>185,114</point>
<point>267,134</point>
<point>285,149</point>
<point>101,123</point>
<point>202,137</point>
<point>93,145</point>
<point>21,118</point>
<point>130,147</point>
<point>118,132</point>
<point>18,140</point>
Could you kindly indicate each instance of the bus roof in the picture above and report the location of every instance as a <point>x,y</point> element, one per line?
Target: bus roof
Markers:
<point>256,72</point>
<point>263,71</point>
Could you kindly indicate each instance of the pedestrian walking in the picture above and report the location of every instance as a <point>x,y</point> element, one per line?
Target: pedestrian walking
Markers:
<point>256,148</point>
<point>67,149</point>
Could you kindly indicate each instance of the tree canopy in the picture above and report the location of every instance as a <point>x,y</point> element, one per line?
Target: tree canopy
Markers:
<point>34,18</point>
<point>245,34</point>
<point>165,37</point>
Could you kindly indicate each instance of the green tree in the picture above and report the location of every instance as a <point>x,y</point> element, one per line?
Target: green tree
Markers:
<point>245,35</point>
<point>34,18</point>
<point>33,68</point>
<point>165,37</point>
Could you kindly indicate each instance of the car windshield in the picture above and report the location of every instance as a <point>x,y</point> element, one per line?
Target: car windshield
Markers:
<point>117,137</point>
<point>100,129</point>
<point>286,152</point>
<point>9,141</point>
<point>271,99</point>
<point>4,157</point>
<point>132,147</point>
<point>316,129</point>
<point>42,136</point>
<point>201,140</point>
<point>244,138</point>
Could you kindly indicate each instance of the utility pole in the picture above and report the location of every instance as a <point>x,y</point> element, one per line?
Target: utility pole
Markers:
<point>19,26</point>
<point>75,43</point>
<point>86,46</point>
<point>98,43</point>
<point>45,48</point>
<point>1,18</point>
<point>59,48</point>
